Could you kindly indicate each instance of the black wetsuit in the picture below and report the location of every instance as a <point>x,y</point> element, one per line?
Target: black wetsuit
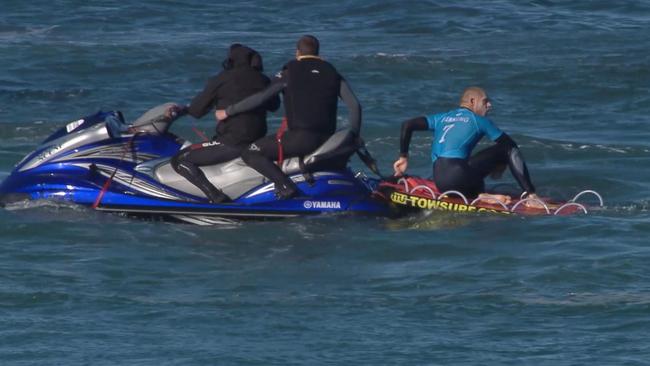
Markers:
<point>242,77</point>
<point>311,90</point>
<point>467,175</point>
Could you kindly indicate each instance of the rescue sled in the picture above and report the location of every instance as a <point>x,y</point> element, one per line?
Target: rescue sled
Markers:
<point>409,194</point>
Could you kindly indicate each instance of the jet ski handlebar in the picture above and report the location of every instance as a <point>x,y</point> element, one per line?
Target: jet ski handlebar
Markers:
<point>158,119</point>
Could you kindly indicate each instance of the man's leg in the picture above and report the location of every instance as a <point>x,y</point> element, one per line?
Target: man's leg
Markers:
<point>496,158</point>
<point>490,161</point>
<point>188,161</point>
<point>261,155</point>
<point>456,174</point>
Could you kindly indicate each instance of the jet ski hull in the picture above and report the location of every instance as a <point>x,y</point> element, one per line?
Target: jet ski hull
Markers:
<point>330,193</point>
<point>93,164</point>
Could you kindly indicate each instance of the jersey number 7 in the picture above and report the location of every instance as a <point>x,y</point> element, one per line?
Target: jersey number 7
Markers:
<point>445,130</point>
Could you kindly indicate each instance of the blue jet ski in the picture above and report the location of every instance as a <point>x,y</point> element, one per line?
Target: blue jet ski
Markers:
<point>104,162</point>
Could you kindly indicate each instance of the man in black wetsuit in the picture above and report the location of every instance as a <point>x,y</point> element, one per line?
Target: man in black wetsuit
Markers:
<point>311,88</point>
<point>455,134</point>
<point>241,77</point>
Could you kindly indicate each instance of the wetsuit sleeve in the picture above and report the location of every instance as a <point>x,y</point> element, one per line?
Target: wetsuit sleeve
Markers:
<point>414,124</point>
<point>354,108</point>
<point>489,128</point>
<point>432,119</point>
<point>259,98</point>
<point>273,103</point>
<point>516,163</point>
<point>205,100</point>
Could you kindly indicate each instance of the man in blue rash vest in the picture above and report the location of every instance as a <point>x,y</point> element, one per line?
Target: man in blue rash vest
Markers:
<point>241,77</point>
<point>455,134</point>
<point>311,88</point>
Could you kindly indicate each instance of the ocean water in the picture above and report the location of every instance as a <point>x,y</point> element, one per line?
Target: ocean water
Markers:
<point>569,80</point>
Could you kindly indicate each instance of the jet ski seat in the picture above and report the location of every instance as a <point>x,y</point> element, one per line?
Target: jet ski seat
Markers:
<point>236,178</point>
<point>334,153</point>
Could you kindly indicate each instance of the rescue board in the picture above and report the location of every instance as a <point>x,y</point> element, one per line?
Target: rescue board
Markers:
<point>412,193</point>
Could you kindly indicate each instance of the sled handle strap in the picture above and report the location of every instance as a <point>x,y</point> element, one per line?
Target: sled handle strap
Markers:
<point>589,191</point>
<point>514,207</point>
<point>451,191</point>
<point>570,204</point>
<point>424,188</point>
<point>490,200</point>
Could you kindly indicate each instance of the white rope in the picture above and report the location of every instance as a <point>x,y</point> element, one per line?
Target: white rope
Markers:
<point>570,204</point>
<point>426,188</point>
<point>548,212</point>
<point>589,191</point>
<point>406,184</point>
<point>443,194</point>
<point>489,199</point>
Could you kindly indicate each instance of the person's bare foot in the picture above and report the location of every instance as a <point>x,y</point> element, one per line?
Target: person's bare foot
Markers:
<point>492,197</point>
<point>533,201</point>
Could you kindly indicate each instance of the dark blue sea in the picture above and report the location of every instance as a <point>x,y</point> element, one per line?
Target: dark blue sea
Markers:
<point>569,80</point>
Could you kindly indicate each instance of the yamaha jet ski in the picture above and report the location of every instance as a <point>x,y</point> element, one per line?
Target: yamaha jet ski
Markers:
<point>106,163</point>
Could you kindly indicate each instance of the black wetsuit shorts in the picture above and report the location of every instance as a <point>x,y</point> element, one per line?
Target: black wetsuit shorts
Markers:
<point>467,175</point>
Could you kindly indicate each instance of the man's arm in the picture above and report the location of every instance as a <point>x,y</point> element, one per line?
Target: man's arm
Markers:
<point>254,100</point>
<point>517,164</point>
<point>414,124</point>
<point>203,102</point>
<point>273,103</point>
<point>354,108</point>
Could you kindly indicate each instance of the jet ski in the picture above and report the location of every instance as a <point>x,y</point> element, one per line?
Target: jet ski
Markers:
<point>108,164</point>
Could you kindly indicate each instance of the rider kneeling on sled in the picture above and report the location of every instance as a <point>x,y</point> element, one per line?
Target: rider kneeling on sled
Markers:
<point>455,134</point>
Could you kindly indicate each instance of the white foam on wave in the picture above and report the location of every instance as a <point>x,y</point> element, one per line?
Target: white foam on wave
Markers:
<point>27,32</point>
<point>613,149</point>
<point>571,146</point>
<point>391,55</point>
<point>28,204</point>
